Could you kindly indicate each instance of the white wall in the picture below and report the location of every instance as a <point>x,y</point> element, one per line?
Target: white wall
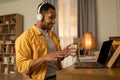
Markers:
<point>106,20</point>
<point>28,8</point>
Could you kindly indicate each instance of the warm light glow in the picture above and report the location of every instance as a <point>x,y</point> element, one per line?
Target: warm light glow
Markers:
<point>88,41</point>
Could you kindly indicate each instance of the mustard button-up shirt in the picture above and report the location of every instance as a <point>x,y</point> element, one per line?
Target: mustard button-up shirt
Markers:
<point>32,45</point>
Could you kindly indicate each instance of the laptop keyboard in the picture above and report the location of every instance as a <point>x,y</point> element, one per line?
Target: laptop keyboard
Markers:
<point>88,64</point>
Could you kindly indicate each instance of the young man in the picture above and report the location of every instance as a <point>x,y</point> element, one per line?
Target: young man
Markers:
<point>38,52</point>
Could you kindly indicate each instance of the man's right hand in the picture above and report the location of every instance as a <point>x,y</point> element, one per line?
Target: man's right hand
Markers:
<point>54,56</point>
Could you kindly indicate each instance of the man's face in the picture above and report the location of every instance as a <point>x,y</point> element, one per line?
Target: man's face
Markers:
<point>49,19</point>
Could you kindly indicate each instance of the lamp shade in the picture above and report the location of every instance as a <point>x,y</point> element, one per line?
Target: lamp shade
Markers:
<point>88,41</point>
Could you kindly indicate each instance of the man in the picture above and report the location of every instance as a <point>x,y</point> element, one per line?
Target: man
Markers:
<point>38,52</point>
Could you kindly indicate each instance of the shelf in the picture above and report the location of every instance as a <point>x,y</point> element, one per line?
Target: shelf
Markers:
<point>8,34</point>
<point>11,26</point>
<point>7,24</point>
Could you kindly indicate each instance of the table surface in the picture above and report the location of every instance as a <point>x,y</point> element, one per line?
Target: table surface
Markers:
<point>16,76</point>
<point>71,73</point>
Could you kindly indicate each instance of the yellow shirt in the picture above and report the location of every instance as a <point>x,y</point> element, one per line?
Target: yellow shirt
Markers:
<point>32,45</point>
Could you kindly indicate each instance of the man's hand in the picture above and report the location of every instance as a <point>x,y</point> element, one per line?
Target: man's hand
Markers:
<point>68,50</point>
<point>53,56</point>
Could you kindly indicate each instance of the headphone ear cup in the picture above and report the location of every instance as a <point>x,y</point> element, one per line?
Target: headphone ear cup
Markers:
<point>39,17</point>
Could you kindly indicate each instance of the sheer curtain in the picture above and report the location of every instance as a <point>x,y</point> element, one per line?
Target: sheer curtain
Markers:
<point>67,19</point>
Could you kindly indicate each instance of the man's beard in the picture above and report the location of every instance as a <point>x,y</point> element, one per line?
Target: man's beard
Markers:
<point>44,27</point>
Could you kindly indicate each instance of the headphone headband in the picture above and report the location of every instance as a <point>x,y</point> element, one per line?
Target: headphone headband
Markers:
<point>39,8</point>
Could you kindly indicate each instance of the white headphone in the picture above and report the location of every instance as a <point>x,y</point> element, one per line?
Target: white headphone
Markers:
<point>39,15</point>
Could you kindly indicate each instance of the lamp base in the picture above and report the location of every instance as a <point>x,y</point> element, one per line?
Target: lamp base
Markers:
<point>89,52</point>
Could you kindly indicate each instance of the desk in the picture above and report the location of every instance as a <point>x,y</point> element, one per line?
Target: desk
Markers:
<point>71,73</point>
<point>16,76</point>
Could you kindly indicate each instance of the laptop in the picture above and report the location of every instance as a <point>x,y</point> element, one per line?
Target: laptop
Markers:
<point>102,59</point>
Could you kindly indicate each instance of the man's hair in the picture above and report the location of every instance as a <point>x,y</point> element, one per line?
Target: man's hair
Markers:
<point>45,7</point>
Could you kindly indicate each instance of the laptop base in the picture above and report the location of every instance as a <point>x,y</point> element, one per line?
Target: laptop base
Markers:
<point>88,65</point>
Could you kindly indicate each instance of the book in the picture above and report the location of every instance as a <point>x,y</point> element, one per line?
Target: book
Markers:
<point>7,49</point>
<point>87,59</point>
<point>115,59</point>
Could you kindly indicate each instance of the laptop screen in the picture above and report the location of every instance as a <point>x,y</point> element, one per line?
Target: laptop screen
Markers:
<point>105,49</point>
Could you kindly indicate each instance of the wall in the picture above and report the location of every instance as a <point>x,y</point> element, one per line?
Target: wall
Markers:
<point>28,8</point>
<point>107,20</point>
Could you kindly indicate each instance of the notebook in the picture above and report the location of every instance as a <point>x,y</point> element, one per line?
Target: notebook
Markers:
<point>102,59</point>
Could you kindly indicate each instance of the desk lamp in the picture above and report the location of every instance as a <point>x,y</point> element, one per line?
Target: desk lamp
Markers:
<point>88,43</point>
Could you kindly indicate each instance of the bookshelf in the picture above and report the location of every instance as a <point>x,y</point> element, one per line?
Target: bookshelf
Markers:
<point>11,26</point>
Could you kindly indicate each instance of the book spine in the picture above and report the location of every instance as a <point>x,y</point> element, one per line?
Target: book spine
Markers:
<point>113,58</point>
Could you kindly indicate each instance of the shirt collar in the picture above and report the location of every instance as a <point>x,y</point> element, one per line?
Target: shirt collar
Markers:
<point>36,30</point>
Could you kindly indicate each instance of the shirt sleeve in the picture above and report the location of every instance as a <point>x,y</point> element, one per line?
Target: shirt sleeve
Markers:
<point>23,54</point>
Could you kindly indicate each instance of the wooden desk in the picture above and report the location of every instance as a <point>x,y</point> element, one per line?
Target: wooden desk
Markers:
<point>16,76</point>
<point>72,73</point>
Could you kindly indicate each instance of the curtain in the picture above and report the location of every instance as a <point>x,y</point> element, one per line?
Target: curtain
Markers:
<point>87,21</point>
<point>67,19</point>
<point>67,14</point>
